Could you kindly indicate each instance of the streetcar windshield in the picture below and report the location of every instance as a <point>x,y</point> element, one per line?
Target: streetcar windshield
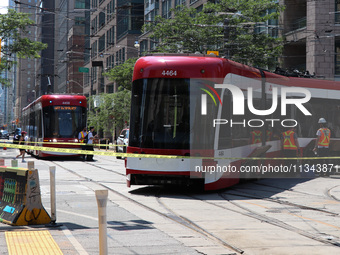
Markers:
<point>160,114</point>
<point>63,121</point>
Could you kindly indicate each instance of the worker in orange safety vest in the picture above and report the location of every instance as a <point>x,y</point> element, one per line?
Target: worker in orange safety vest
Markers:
<point>290,146</point>
<point>255,136</point>
<point>321,147</point>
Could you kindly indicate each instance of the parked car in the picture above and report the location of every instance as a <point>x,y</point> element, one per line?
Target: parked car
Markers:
<point>122,141</point>
<point>4,134</point>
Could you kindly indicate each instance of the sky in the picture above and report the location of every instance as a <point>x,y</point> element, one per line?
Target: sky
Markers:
<point>3,6</point>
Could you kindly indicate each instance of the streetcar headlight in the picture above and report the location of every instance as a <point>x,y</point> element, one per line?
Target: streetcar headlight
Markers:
<point>54,140</point>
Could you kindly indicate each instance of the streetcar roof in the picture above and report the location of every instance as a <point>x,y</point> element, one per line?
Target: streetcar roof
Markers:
<point>199,66</point>
<point>55,99</point>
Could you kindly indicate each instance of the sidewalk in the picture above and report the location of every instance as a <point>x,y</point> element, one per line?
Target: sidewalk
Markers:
<point>77,211</point>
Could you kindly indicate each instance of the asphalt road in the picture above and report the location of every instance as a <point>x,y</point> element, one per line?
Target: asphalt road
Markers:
<point>270,216</point>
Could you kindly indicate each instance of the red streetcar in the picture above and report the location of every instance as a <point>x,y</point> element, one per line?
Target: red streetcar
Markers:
<point>54,119</point>
<point>206,107</point>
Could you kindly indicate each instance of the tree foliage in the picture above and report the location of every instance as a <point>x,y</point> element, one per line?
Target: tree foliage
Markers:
<point>241,37</point>
<point>122,74</point>
<point>13,31</point>
<point>111,112</point>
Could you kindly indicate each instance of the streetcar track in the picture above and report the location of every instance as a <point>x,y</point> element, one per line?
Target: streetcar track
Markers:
<point>328,193</point>
<point>197,227</point>
<point>269,220</point>
<point>273,221</point>
<point>260,217</point>
<point>277,189</point>
<point>283,202</point>
<point>193,226</point>
<point>109,170</point>
<point>282,189</point>
<point>172,216</point>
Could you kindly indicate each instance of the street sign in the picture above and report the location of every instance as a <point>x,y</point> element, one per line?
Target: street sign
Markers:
<point>83,69</point>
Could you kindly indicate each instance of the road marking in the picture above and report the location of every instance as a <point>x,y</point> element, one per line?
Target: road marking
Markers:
<point>31,242</point>
<point>74,241</point>
<point>244,201</point>
<point>318,221</point>
<point>73,213</point>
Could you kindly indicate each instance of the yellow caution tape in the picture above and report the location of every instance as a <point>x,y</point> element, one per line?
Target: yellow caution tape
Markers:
<point>135,155</point>
<point>83,144</point>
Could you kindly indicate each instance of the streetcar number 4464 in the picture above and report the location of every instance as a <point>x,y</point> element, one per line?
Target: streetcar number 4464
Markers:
<point>169,73</point>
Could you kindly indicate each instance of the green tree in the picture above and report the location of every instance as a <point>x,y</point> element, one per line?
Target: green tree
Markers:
<point>122,74</point>
<point>111,112</point>
<point>13,30</point>
<point>230,26</point>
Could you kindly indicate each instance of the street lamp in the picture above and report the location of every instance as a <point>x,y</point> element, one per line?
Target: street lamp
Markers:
<point>137,45</point>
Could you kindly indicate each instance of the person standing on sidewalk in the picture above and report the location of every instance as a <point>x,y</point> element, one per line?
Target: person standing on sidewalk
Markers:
<point>91,137</point>
<point>82,137</point>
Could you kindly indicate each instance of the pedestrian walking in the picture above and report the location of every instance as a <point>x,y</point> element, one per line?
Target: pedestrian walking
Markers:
<point>22,140</point>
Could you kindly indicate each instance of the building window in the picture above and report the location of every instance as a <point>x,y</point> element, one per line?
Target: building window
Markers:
<point>337,9</point>
<point>337,56</point>
<point>179,2</point>
<point>94,3</point>
<point>166,9</point>
<point>94,49</point>
<point>110,8</point>
<point>101,43</point>
<point>101,19</point>
<point>94,25</point>
<point>110,37</point>
<point>110,62</point>
<point>79,21</point>
<point>270,27</point>
<point>94,74</point>
<point>79,4</point>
